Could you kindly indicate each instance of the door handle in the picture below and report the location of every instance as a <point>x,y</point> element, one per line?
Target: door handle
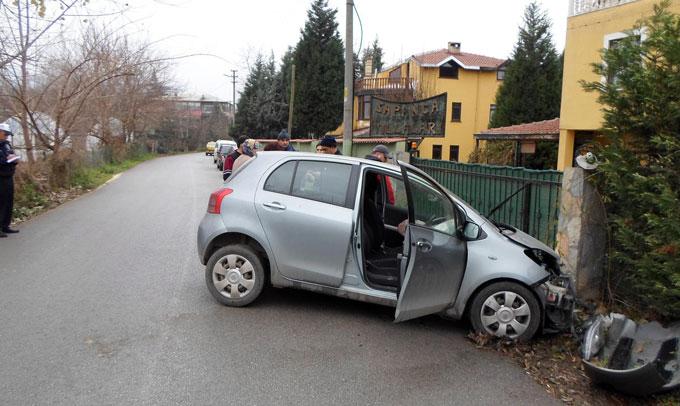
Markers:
<point>424,246</point>
<point>274,205</point>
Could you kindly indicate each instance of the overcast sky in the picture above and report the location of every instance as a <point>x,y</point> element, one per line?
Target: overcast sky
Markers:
<point>235,31</point>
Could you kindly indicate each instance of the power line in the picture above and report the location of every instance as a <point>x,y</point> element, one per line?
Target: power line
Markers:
<point>361,38</point>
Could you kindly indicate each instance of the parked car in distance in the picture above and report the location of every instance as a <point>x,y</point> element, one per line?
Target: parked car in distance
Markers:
<point>210,148</point>
<point>218,144</point>
<point>225,149</point>
<point>378,233</point>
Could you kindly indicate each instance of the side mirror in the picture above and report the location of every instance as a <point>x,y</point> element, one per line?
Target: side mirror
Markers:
<point>471,231</point>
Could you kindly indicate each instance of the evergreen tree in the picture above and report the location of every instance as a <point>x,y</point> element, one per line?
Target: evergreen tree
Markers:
<point>319,65</point>
<point>375,52</point>
<point>532,87</point>
<point>358,66</point>
<point>640,172</point>
<point>260,106</point>
<point>283,83</point>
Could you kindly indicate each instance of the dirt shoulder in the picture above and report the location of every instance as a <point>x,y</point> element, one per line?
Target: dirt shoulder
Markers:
<point>554,362</point>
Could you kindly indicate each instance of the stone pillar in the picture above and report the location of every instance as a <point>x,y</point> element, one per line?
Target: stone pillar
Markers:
<point>582,234</point>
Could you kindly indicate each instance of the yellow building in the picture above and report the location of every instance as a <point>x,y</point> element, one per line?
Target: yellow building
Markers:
<point>591,26</point>
<point>470,81</point>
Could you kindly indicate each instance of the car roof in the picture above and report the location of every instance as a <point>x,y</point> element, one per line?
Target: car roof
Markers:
<point>275,156</point>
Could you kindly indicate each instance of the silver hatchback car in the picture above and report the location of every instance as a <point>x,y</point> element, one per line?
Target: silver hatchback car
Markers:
<point>378,233</point>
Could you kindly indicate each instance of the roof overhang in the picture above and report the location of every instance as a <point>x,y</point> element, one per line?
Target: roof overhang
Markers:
<point>517,137</point>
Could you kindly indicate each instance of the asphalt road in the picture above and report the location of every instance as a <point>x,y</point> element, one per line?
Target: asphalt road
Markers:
<point>103,301</point>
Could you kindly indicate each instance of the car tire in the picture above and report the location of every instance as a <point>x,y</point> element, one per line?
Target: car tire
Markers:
<point>235,267</point>
<point>489,313</point>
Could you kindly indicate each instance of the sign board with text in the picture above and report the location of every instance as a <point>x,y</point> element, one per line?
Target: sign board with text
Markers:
<point>422,118</point>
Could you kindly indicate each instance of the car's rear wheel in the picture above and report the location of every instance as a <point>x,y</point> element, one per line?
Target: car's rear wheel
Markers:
<point>235,275</point>
<point>506,309</point>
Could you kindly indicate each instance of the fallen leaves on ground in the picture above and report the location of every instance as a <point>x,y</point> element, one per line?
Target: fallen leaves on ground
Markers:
<point>554,362</point>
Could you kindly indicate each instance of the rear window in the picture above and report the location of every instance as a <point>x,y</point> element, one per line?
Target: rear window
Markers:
<point>322,181</point>
<point>281,179</point>
<point>326,182</point>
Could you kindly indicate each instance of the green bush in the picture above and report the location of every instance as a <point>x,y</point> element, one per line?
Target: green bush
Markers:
<point>28,199</point>
<point>640,174</point>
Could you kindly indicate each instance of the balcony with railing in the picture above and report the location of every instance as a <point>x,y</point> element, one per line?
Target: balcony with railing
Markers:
<point>577,7</point>
<point>399,87</point>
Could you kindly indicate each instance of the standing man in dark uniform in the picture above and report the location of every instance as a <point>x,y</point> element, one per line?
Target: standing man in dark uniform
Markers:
<point>8,163</point>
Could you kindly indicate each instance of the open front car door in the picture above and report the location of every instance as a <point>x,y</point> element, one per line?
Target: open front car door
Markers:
<point>434,258</point>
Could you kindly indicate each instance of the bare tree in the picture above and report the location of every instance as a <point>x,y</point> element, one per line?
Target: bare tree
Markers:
<point>28,29</point>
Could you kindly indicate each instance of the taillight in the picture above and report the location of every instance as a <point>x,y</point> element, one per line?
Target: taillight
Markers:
<point>215,201</point>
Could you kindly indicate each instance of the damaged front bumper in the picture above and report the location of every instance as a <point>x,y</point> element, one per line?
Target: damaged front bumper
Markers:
<point>557,295</point>
<point>635,359</point>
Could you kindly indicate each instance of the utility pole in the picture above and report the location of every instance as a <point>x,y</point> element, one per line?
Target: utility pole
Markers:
<point>349,82</point>
<point>292,102</point>
<point>233,91</point>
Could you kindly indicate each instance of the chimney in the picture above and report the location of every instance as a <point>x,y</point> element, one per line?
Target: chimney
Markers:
<point>454,47</point>
<point>368,66</point>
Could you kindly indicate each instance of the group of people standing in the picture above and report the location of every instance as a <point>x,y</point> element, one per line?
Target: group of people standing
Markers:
<point>247,148</point>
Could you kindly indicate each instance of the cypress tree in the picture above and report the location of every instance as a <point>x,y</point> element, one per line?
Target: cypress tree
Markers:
<point>319,65</point>
<point>532,87</point>
<point>260,105</point>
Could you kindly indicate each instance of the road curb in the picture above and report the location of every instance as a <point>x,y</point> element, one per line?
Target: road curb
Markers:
<point>114,177</point>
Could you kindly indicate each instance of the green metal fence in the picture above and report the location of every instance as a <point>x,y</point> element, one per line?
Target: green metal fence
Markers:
<point>532,196</point>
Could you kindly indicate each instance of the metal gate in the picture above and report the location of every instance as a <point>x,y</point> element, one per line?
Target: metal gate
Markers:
<point>528,199</point>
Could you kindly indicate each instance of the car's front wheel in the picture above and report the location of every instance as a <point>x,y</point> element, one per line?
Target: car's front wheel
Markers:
<point>506,309</point>
<point>235,275</point>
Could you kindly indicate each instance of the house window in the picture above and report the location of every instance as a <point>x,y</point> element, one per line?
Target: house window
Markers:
<point>453,153</point>
<point>436,152</point>
<point>365,108</point>
<point>492,111</point>
<point>456,111</point>
<point>613,41</point>
<point>448,70</point>
<point>500,74</point>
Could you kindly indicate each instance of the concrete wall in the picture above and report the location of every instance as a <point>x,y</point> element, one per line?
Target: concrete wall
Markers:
<point>581,233</point>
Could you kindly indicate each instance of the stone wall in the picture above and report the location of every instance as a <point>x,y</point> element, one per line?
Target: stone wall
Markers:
<point>582,233</point>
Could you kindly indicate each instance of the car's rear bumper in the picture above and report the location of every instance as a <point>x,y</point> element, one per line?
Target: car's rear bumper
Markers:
<point>211,226</point>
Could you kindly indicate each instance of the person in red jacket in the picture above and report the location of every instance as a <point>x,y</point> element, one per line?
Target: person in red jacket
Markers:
<point>382,153</point>
<point>231,158</point>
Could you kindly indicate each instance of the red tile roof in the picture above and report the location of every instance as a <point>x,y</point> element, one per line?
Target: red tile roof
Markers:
<point>546,127</point>
<point>467,59</point>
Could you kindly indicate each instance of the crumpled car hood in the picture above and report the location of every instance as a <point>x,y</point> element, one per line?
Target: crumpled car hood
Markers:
<point>526,240</point>
<point>635,359</point>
